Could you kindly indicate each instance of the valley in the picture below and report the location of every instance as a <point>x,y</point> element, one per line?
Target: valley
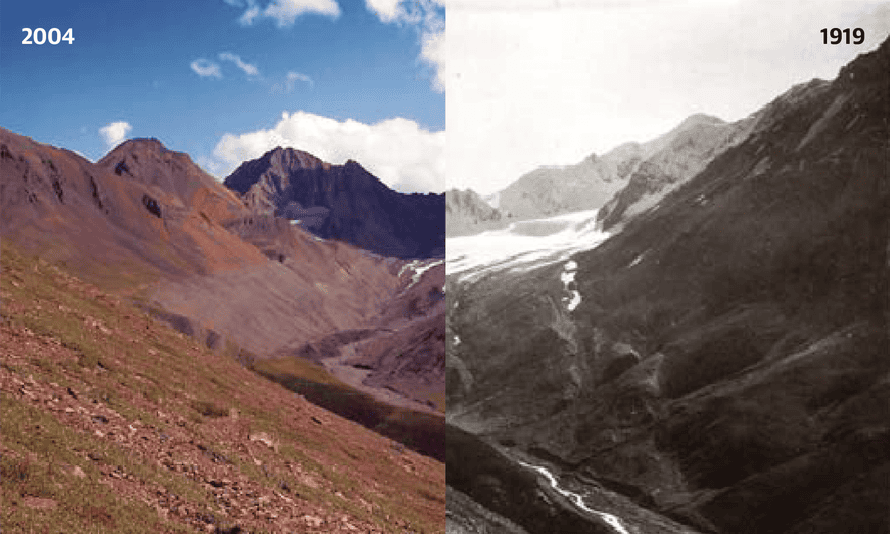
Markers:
<point>714,348</point>
<point>256,301</point>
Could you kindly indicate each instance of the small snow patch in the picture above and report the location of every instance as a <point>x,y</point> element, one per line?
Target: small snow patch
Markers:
<point>573,303</point>
<point>419,267</point>
<point>567,277</point>
<point>638,259</point>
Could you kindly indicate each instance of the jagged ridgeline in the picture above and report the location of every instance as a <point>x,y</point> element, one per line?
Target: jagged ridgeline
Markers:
<point>343,202</point>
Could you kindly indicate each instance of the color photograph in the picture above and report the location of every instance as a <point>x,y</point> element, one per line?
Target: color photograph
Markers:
<point>223,237</point>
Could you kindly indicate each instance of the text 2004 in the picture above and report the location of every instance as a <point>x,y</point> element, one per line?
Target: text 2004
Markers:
<point>39,36</point>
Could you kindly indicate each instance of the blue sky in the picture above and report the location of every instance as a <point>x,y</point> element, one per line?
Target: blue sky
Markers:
<point>226,80</point>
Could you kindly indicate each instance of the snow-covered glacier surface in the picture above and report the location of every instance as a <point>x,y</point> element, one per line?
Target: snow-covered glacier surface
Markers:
<point>523,244</point>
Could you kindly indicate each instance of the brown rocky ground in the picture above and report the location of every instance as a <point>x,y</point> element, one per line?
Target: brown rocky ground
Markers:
<point>113,421</point>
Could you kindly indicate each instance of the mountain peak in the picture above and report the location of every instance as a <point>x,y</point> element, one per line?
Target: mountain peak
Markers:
<point>868,67</point>
<point>293,158</point>
<point>343,202</point>
<point>700,119</point>
<point>151,144</point>
<point>133,149</point>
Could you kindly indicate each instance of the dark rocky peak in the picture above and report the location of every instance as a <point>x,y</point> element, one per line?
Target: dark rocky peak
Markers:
<point>284,168</point>
<point>293,159</point>
<point>343,202</point>
<point>788,103</point>
<point>354,171</point>
<point>279,161</point>
<point>871,67</point>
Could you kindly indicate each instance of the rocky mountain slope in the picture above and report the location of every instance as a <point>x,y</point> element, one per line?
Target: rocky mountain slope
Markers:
<point>726,364</point>
<point>408,353</point>
<point>343,202</point>
<point>548,191</point>
<point>467,213</point>
<point>49,196</point>
<point>669,161</point>
<point>173,178</point>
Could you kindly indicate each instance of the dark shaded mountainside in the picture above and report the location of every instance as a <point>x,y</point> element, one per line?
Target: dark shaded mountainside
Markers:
<point>148,223</point>
<point>343,202</point>
<point>728,362</point>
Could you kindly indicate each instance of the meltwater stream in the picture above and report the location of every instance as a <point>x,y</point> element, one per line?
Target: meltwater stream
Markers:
<point>612,521</point>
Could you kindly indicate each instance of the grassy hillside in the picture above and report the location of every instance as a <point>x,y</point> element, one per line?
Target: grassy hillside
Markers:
<point>114,422</point>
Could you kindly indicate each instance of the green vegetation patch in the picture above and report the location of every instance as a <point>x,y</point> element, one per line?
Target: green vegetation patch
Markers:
<point>42,493</point>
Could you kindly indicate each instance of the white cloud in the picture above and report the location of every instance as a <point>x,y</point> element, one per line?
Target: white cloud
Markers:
<point>284,12</point>
<point>248,69</point>
<point>387,10</point>
<point>250,15</point>
<point>428,17</point>
<point>398,151</point>
<point>290,82</point>
<point>294,76</point>
<point>206,68</point>
<point>433,53</point>
<point>114,133</point>
<point>210,165</point>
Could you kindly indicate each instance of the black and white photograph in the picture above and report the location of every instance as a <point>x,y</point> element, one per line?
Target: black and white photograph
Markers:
<point>667,267</point>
